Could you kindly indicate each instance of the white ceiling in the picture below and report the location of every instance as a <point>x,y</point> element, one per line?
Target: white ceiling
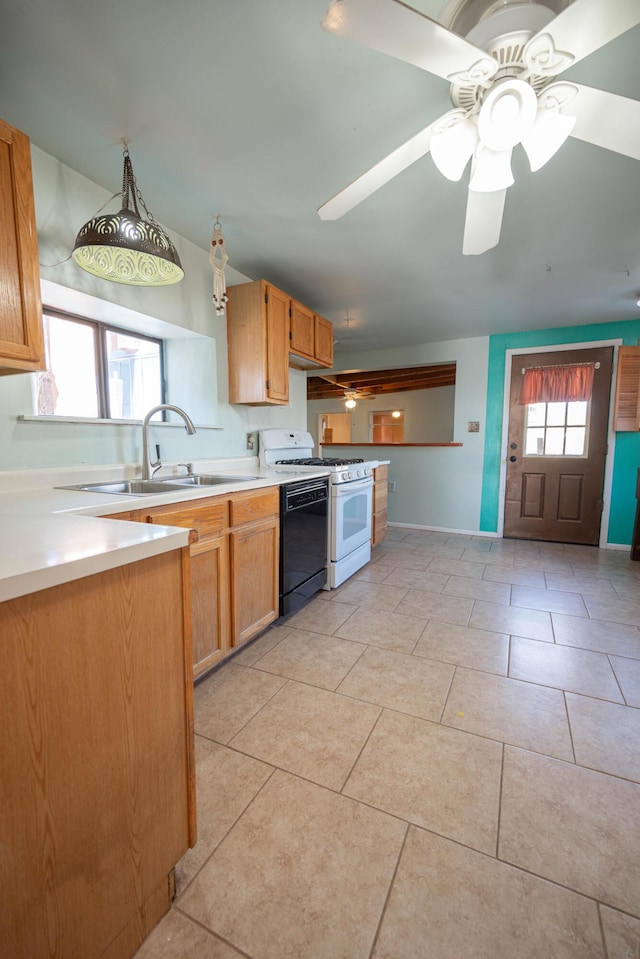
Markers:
<point>249,110</point>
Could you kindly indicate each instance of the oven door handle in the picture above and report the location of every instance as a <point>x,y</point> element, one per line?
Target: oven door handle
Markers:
<point>341,489</point>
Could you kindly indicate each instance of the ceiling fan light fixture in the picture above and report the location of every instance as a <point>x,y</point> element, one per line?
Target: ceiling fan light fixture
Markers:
<point>548,133</point>
<point>507,114</point>
<point>453,147</point>
<point>126,248</point>
<point>491,171</point>
<point>350,400</point>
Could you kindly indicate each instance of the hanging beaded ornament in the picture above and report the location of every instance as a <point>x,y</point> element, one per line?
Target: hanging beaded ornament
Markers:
<point>218,259</point>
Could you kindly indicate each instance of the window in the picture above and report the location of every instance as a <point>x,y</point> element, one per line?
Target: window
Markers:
<point>556,429</point>
<point>98,371</point>
<point>387,427</point>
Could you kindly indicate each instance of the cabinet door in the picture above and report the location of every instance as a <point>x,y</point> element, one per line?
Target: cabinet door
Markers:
<point>323,341</point>
<point>254,579</point>
<point>302,338</point>
<point>277,318</point>
<point>209,602</point>
<point>21,335</point>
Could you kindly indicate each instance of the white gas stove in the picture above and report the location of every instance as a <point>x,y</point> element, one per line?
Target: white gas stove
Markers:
<point>293,450</point>
<point>351,491</point>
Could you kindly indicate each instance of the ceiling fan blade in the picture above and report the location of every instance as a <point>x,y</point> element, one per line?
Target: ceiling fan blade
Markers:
<point>393,27</point>
<point>607,120</point>
<point>483,221</point>
<point>377,176</point>
<point>581,28</point>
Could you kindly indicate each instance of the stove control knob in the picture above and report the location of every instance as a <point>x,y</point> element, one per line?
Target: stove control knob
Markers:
<point>348,476</point>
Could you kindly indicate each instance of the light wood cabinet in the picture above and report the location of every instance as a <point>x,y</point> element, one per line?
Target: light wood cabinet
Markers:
<point>379,517</point>
<point>310,339</point>
<point>302,332</point>
<point>254,552</point>
<point>268,331</point>
<point>209,520</point>
<point>323,341</point>
<point>627,402</point>
<point>96,764</point>
<point>21,331</point>
<point>258,344</point>
<point>234,567</point>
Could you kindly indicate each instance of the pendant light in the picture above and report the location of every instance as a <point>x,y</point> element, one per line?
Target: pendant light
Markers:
<point>125,248</point>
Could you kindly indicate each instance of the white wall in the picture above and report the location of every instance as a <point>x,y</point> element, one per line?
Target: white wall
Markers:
<point>437,487</point>
<point>197,355</point>
<point>428,414</point>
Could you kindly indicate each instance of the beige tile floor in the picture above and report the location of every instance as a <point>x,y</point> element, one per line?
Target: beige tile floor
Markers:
<point>439,759</point>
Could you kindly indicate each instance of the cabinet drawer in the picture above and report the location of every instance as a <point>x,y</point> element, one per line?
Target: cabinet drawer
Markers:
<point>206,520</point>
<point>247,507</point>
<point>381,473</point>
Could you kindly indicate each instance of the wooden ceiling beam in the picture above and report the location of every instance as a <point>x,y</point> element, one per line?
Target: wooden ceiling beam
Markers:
<point>381,382</point>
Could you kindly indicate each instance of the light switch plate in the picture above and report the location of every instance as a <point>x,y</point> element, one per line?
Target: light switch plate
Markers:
<point>474,426</point>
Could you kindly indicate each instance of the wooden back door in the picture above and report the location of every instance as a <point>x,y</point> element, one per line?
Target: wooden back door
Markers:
<point>556,456</point>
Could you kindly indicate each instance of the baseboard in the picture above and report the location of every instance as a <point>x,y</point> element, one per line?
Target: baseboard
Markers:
<point>446,529</point>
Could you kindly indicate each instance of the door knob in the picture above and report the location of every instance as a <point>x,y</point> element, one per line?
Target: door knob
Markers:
<point>512,459</point>
<point>514,446</point>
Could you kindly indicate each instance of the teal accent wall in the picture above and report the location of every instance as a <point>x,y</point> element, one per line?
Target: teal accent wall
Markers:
<point>627,451</point>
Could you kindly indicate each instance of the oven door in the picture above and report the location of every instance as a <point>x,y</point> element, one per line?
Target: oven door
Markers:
<point>350,517</point>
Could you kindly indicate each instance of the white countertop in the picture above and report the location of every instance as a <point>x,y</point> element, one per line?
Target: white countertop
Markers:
<point>51,536</point>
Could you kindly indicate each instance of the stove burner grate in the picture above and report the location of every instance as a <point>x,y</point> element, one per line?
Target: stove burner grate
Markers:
<point>318,461</point>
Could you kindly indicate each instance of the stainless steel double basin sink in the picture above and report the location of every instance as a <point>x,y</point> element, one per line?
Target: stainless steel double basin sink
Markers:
<point>148,487</point>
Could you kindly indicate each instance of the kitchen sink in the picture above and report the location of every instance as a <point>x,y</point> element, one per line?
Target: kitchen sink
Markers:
<point>131,487</point>
<point>207,480</point>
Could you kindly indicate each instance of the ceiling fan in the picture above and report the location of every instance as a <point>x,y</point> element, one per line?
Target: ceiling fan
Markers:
<point>501,74</point>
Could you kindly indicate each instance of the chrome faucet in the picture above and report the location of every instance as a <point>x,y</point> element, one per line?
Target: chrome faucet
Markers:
<point>149,468</point>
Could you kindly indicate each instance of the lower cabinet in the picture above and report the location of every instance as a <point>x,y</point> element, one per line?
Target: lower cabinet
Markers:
<point>234,567</point>
<point>254,582</point>
<point>97,768</point>
<point>379,518</point>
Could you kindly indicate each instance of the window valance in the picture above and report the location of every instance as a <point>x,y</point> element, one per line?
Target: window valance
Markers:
<point>571,382</point>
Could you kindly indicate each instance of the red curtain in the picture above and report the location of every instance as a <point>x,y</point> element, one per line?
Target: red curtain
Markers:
<point>557,384</point>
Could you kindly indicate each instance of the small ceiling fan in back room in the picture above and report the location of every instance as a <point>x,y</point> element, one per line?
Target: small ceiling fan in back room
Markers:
<point>501,58</point>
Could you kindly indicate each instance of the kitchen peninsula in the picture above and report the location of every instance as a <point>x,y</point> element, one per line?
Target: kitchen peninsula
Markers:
<point>97,768</point>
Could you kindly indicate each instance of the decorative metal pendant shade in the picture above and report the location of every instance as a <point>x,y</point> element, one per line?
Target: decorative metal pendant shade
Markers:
<point>125,248</point>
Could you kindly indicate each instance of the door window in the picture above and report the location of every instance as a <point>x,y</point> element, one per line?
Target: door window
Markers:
<point>556,429</point>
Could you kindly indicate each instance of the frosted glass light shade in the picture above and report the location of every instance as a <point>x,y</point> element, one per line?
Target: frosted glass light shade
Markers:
<point>491,171</point>
<point>549,131</point>
<point>453,148</point>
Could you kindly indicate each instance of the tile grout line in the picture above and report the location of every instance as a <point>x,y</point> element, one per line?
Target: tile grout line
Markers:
<point>274,769</point>
<point>341,791</point>
<point>388,895</point>
<point>500,802</point>
<point>602,932</point>
<point>214,935</point>
<point>566,709</point>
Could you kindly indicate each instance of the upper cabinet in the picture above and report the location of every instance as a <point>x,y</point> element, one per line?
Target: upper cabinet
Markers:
<point>258,338</point>
<point>323,341</point>
<point>310,339</point>
<point>268,331</point>
<point>21,336</point>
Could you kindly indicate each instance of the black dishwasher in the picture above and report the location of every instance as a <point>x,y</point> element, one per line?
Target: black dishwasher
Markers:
<point>303,541</point>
